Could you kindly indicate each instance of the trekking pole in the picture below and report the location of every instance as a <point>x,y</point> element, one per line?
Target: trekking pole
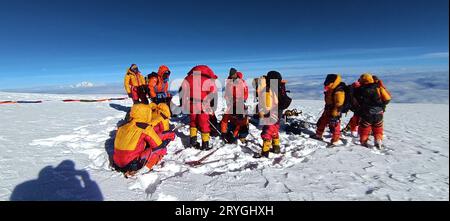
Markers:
<point>220,133</point>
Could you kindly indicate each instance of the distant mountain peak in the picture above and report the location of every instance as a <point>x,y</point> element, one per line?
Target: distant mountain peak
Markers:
<point>84,84</point>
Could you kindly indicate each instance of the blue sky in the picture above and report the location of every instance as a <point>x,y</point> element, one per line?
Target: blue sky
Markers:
<point>66,42</point>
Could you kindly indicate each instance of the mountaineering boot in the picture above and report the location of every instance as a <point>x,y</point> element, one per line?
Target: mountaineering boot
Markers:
<point>193,135</point>
<point>243,140</point>
<point>194,143</point>
<point>378,145</point>
<point>205,142</point>
<point>205,146</point>
<point>365,144</point>
<point>262,154</point>
<point>276,149</point>
<point>276,146</point>
<point>265,150</point>
<point>129,174</point>
<point>334,142</point>
<point>316,137</point>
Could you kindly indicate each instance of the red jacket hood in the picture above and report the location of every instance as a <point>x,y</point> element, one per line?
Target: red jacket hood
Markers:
<point>240,75</point>
<point>204,70</point>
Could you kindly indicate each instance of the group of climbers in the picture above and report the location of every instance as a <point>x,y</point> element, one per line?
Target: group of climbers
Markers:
<point>155,86</point>
<point>143,139</point>
<point>199,92</point>
<point>366,98</point>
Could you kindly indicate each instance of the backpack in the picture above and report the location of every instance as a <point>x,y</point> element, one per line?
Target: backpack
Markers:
<point>371,99</point>
<point>348,91</point>
<point>284,101</point>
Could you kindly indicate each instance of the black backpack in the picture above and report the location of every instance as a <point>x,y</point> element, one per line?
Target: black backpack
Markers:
<point>371,100</point>
<point>284,101</point>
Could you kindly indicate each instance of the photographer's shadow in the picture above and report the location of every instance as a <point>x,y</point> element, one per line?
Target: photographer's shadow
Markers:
<point>61,183</point>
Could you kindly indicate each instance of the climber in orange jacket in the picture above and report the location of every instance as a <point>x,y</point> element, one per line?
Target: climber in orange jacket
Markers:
<point>158,85</point>
<point>373,99</point>
<point>137,144</point>
<point>334,100</point>
<point>135,85</point>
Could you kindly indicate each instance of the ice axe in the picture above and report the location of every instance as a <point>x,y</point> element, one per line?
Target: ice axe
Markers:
<point>200,161</point>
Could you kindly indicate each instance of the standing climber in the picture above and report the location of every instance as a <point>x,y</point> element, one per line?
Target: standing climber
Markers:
<point>334,100</point>
<point>158,85</point>
<point>234,122</point>
<point>355,108</point>
<point>199,92</point>
<point>373,100</point>
<point>135,85</point>
<point>270,109</point>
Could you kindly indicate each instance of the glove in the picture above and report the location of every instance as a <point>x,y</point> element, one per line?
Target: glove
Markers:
<point>168,136</point>
<point>164,144</point>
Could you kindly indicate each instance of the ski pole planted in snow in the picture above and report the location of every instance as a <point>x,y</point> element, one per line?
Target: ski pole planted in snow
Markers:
<point>218,131</point>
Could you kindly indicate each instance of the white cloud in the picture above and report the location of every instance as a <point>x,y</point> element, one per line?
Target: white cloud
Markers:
<point>437,55</point>
<point>421,87</point>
